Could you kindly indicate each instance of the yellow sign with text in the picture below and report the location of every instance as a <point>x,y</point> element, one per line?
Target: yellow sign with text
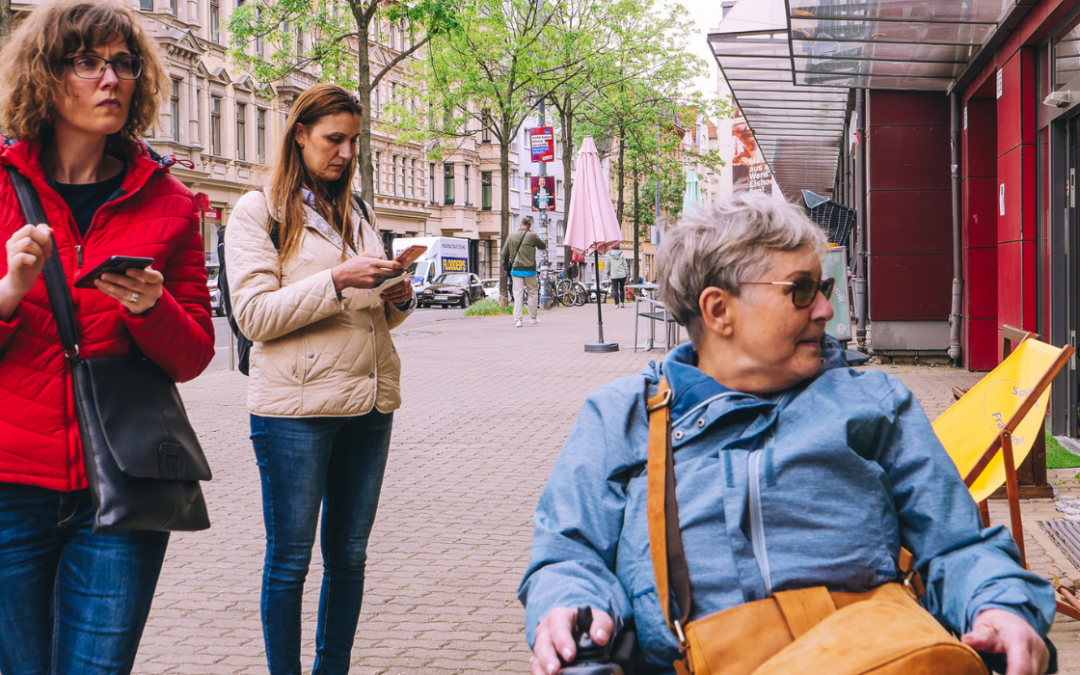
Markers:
<point>969,427</point>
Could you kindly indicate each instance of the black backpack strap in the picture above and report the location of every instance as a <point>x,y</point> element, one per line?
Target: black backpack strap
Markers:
<point>363,208</point>
<point>274,230</point>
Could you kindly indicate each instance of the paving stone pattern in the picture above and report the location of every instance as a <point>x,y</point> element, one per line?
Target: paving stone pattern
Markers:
<point>486,409</point>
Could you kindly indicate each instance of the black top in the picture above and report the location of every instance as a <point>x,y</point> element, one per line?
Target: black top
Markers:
<point>86,198</point>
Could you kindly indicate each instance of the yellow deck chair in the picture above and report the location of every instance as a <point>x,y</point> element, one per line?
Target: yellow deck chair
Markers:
<point>992,428</point>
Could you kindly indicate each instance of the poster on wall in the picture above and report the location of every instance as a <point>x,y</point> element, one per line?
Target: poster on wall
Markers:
<point>543,196</point>
<point>749,169</point>
<point>542,142</point>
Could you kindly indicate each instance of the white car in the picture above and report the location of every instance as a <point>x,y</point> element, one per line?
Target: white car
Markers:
<point>491,288</point>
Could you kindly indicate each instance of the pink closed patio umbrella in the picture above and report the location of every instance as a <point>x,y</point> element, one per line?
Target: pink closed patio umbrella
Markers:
<point>591,225</point>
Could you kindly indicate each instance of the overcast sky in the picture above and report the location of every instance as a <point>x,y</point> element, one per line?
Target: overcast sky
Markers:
<point>706,14</point>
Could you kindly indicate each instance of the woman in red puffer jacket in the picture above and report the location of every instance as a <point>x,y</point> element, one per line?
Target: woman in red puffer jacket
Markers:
<point>79,84</point>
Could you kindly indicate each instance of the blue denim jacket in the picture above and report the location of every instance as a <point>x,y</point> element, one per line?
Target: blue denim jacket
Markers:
<point>817,485</point>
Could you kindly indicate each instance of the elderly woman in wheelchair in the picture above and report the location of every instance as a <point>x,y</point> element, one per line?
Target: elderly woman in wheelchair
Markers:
<point>767,490</point>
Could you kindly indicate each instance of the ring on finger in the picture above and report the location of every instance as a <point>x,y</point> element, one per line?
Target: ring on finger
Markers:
<point>134,298</point>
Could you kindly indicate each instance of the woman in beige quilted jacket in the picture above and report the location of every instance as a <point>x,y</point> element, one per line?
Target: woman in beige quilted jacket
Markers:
<point>302,259</point>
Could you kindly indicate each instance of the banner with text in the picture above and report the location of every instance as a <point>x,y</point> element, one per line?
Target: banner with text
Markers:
<point>749,169</point>
<point>543,194</point>
<point>542,142</point>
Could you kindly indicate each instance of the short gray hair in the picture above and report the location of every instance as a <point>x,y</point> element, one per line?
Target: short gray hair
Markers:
<point>726,243</point>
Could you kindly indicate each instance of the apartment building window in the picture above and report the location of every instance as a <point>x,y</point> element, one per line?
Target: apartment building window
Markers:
<point>375,101</point>
<point>448,183</point>
<point>241,131</point>
<point>485,190</point>
<point>146,5</point>
<point>215,125</point>
<point>174,110</point>
<point>260,134</point>
<point>375,176</point>
<point>393,36</point>
<point>215,21</point>
<point>299,41</point>
<point>431,183</point>
<point>468,200</point>
<point>412,179</point>
<point>172,7</point>
<point>526,185</point>
<point>514,179</point>
<point>393,175</point>
<point>485,128</point>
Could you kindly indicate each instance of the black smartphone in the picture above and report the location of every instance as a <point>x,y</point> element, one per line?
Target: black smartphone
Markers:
<point>118,264</point>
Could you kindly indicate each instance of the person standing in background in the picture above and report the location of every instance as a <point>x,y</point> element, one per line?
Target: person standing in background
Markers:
<point>617,270</point>
<point>304,256</point>
<point>519,259</point>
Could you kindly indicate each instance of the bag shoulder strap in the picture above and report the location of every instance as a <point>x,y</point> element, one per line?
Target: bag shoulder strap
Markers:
<point>55,280</point>
<point>521,242</point>
<point>665,537</point>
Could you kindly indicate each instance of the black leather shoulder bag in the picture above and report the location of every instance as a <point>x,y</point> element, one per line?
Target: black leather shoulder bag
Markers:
<point>143,460</point>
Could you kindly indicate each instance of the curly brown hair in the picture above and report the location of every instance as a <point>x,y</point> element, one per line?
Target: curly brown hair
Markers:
<point>30,61</point>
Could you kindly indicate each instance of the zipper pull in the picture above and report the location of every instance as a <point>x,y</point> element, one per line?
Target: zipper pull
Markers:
<point>78,255</point>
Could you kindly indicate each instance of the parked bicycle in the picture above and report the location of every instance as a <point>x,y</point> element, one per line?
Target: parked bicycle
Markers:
<point>569,292</point>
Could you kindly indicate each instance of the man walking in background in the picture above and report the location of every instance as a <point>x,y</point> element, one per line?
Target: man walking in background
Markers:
<point>519,259</point>
<point>617,271</point>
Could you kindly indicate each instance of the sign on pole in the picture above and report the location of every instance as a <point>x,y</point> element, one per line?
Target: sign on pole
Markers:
<point>835,266</point>
<point>542,142</point>
<point>543,197</point>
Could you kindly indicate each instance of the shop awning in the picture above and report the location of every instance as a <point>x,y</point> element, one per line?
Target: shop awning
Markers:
<point>791,65</point>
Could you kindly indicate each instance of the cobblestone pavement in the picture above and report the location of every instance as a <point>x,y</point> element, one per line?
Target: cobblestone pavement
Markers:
<point>486,409</point>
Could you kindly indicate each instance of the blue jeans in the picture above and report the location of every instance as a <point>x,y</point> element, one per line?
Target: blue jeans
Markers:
<point>71,601</point>
<point>305,462</point>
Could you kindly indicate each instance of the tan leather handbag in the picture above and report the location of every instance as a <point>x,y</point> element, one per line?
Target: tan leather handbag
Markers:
<point>810,631</point>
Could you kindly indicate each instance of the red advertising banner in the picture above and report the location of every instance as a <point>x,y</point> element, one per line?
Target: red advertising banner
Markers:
<point>543,193</point>
<point>542,142</point>
<point>212,214</point>
<point>749,169</point>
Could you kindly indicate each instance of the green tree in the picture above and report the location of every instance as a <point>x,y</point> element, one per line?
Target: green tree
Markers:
<point>492,72</point>
<point>645,93</point>
<point>338,49</point>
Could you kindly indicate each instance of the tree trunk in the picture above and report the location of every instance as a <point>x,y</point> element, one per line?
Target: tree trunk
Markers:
<point>620,203</point>
<point>6,20</point>
<point>567,156</point>
<point>367,179</point>
<point>505,138</point>
<point>637,230</point>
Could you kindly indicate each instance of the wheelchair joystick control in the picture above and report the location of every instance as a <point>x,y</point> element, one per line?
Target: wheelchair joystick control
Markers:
<point>591,658</point>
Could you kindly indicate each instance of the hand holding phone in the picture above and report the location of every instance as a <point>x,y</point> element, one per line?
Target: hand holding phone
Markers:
<point>117,264</point>
<point>410,255</point>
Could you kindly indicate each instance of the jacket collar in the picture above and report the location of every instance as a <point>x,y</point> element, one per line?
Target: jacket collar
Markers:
<point>698,400</point>
<point>141,162</point>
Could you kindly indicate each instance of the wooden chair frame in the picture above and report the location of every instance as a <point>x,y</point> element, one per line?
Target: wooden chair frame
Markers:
<point>1003,443</point>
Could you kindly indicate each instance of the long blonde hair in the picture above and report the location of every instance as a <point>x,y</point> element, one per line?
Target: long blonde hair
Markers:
<point>333,200</point>
<point>31,69</point>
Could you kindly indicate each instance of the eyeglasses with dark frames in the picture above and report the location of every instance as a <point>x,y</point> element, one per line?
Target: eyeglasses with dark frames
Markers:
<point>90,67</point>
<point>803,291</point>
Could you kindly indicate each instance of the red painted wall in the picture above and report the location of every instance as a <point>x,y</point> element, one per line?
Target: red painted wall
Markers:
<point>980,235</point>
<point>1017,247</point>
<point>909,199</point>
